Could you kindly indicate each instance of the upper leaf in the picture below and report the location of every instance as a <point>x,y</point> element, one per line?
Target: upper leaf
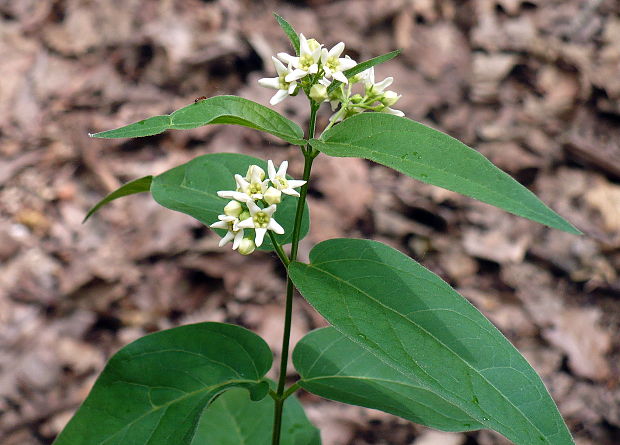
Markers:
<point>428,336</point>
<point>233,419</point>
<point>192,188</point>
<point>215,110</point>
<point>435,158</point>
<point>154,391</point>
<point>131,188</point>
<point>289,31</point>
<point>363,66</point>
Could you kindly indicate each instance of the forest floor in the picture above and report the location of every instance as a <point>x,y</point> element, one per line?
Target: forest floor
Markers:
<point>533,85</point>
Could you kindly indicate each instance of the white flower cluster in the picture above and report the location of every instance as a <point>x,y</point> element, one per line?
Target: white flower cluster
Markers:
<point>314,71</point>
<point>253,204</point>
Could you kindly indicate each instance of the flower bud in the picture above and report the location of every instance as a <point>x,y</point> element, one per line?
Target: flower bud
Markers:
<point>389,98</point>
<point>244,215</point>
<point>272,196</point>
<point>318,92</point>
<point>233,208</point>
<point>246,246</point>
<point>255,172</point>
<point>313,44</point>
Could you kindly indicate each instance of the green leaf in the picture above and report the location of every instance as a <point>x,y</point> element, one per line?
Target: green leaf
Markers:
<point>435,158</point>
<point>334,367</point>
<point>215,110</point>
<point>289,31</point>
<point>192,188</point>
<point>131,188</point>
<point>155,390</point>
<point>360,67</point>
<point>233,419</point>
<point>423,334</point>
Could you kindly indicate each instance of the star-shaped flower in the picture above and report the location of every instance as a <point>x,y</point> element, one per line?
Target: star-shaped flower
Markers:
<point>261,220</point>
<point>373,88</point>
<point>234,234</point>
<point>334,65</point>
<point>279,181</point>
<point>285,89</point>
<point>307,62</point>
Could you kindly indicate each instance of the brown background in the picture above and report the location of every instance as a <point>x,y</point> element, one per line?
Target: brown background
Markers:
<point>534,85</point>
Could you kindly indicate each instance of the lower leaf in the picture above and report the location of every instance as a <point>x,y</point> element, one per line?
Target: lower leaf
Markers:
<point>155,390</point>
<point>233,419</point>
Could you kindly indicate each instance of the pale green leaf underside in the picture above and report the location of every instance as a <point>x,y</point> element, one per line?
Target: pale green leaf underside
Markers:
<point>191,188</point>
<point>416,324</point>
<point>155,390</point>
<point>234,419</point>
<point>137,186</point>
<point>435,158</point>
<point>215,110</point>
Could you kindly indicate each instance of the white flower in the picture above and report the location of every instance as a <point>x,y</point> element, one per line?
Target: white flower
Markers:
<point>235,233</point>
<point>307,62</point>
<point>373,88</point>
<point>234,194</point>
<point>279,181</point>
<point>254,188</point>
<point>285,88</point>
<point>261,220</point>
<point>334,65</point>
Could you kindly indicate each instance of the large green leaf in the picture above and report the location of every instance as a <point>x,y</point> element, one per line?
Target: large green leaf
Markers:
<point>234,419</point>
<point>155,390</point>
<point>421,332</point>
<point>131,188</point>
<point>332,366</point>
<point>435,158</point>
<point>192,188</point>
<point>215,110</point>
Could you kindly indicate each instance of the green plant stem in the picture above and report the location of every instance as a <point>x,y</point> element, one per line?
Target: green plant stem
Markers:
<point>281,395</point>
<point>278,248</point>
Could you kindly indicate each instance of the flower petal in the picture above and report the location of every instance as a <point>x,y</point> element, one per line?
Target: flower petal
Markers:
<point>219,225</point>
<point>282,169</point>
<point>246,224</point>
<point>260,235</point>
<point>269,210</point>
<point>226,238</point>
<point>280,68</point>
<point>338,75</point>
<point>289,191</point>
<point>271,170</point>
<point>294,183</point>
<point>295,75</point>
<point>346,63</point>
<point>291,60</point>
<point>278,97</point>
<point>273,225</point>
<point>270,82</point>
<point>237,240</point>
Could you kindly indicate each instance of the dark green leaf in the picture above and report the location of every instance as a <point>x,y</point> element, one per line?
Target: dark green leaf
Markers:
<point>360,67</point>
<point>155,390</point>
<point>232,419</point>
<point>131,188</point>
<point>289,31</point>
<point>435,158</point>
<point>215,110</point>
<point>423,334</point>
<point>192,188</point>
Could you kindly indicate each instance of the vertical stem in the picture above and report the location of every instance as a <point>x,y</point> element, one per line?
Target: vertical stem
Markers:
<point>279,402</point>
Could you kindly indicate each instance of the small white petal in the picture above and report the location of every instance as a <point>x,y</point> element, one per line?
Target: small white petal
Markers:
<point>280,68</point>
<point>304,48</point>
<point>238,238</point>
<point>253,208</point>
<point>270,82</point>
<point>338,75</point>
<point>219,225</point>
<point>282,169</point>
<point>292,60</point>
<point>273,225</point>
<point>278,97</point>
<point>314,68</point>
<point>269,210</point>
<point>291,88</point>
<point>226,238</point>
<point>289,191</point>
<point>347,63</point>
<point>384,84</point>
<point>295,75</point>
<point>260,235</point>
<point>336,50</point>
<point>271,170</point>
<point>294,183</point>
<point>392,111</point>
<point>246,224</point>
